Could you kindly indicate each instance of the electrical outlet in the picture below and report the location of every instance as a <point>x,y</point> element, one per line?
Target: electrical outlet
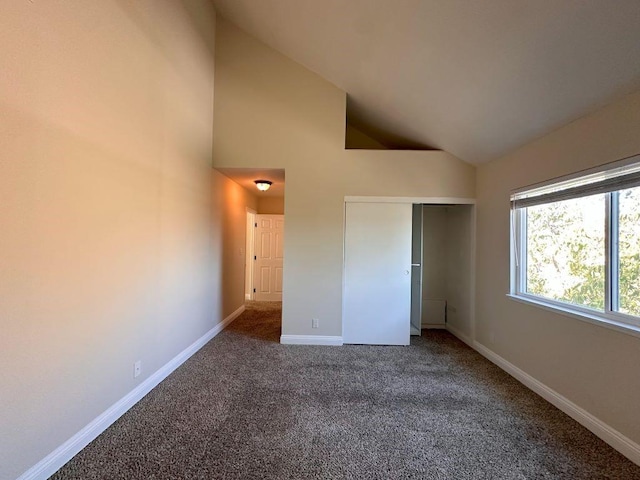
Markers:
<point>137,368</point>
<point>315,323</point>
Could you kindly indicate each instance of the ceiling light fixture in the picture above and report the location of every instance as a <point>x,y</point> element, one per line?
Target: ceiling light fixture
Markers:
<point>263,185</point>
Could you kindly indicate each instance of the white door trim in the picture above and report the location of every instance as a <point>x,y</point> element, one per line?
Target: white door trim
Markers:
<point>431,200</point>
<point>249,253</point>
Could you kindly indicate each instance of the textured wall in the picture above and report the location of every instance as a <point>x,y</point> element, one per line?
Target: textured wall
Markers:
<point>355,138</point>
<point>108,252</point>
<point>296,121</point>
<point>230,203</point>
<point>434,240</point>
<point>271,205</point>
<point>595,367</point>
<point>460,269</point>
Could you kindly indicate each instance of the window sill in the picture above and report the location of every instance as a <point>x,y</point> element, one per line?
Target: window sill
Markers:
<point>589,318</point>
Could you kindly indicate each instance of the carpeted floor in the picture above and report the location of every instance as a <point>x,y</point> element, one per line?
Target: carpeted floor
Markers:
<point>246,407</point>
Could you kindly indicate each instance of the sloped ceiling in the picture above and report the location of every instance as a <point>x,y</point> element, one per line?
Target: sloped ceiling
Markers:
<point>476,78</point>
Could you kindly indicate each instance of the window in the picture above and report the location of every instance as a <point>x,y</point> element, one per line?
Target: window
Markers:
<point>576,244</point>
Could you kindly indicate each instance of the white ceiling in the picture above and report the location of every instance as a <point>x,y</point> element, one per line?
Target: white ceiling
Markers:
<point>246,178</point>
<point>476,78</point>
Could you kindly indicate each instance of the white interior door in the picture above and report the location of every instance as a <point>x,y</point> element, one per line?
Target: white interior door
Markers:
<point>377,274</point>
<point>269,258</point>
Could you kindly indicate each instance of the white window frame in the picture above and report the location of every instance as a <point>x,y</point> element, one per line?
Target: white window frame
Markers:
<point>624,172</point>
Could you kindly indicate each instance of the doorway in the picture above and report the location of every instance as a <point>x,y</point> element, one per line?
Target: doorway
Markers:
<point>268,258</point>
<point>447,267</point>
<point>390,268</point>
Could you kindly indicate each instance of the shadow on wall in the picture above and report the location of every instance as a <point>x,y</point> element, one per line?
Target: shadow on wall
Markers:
<point>361,134</point>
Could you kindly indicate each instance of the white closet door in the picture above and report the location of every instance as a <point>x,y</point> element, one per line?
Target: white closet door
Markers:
<point>377,283</point>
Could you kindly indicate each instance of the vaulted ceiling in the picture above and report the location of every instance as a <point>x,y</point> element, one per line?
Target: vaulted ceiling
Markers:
<point>476,78</point>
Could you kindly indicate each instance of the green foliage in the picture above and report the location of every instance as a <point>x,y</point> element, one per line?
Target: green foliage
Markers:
<point>629,248</point>
<point>566,251</point>
<point>590,290</point>
<point>630,284</point>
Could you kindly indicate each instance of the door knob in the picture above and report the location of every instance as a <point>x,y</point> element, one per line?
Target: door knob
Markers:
<point>406,272</point>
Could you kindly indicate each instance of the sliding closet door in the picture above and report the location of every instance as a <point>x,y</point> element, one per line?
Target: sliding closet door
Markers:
<point>377,274</point>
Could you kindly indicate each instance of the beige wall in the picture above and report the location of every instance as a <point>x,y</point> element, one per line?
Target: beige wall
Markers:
<point>271,205</point>
<point>434,251</point>
<point>355,138</point>
<point>230,203</point>
<point>448,264</point>
<point>595,367</point>
<point>108,251</point>
<point>460,298</point>
<point>295,121</point>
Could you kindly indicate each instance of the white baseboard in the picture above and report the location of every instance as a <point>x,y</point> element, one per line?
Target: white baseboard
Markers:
<point>65,452</point>
<point>617,440</point>
<point>310,340</point>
